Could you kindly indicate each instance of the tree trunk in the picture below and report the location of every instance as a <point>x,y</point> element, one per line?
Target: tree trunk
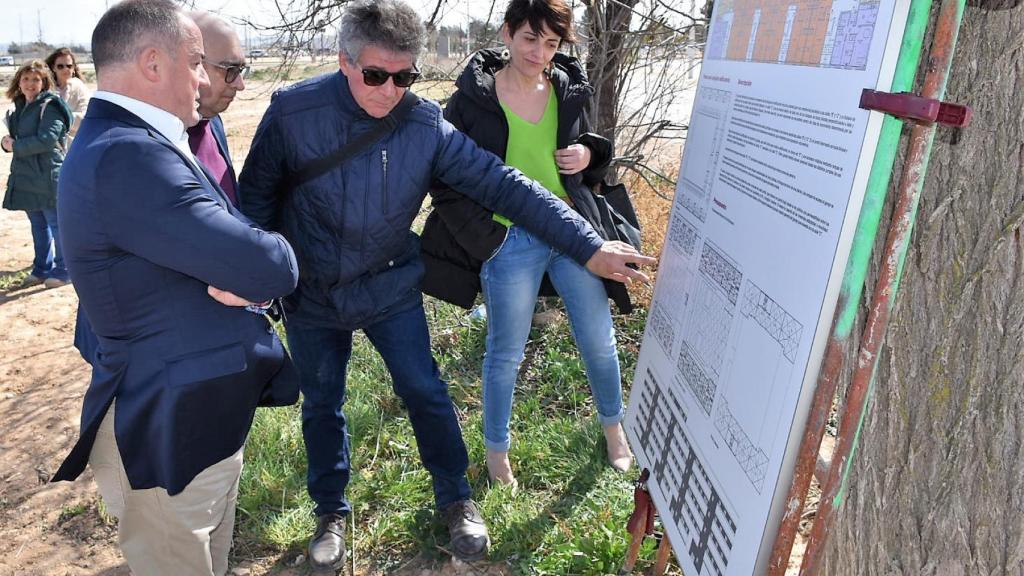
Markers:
<point>606,47</point>
<point>938,481</point>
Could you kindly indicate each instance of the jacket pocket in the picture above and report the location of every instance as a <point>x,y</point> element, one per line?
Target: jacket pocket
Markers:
<point>504,240</point>
<point>206,365</point>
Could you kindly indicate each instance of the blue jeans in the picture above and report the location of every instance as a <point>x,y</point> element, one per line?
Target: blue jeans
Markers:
<point>321,356</point>
<point>511,279</point>
<point>47,263</point>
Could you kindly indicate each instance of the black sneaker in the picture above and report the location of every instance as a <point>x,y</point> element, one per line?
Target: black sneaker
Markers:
<point>327,547</point>
<point>467,530</point>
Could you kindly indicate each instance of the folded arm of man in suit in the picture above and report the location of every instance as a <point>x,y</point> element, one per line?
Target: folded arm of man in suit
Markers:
<point>178,225</point>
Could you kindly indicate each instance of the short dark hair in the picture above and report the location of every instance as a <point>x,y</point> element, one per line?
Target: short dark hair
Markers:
<point>51,61</point>
<point>30,67</point>
<point>555,13</point>
<point>390,24</point>
<point>129,26</point>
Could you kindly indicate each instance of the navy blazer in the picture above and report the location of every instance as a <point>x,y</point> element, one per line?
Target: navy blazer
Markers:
<point>85,340</point>
<point>144,232</point>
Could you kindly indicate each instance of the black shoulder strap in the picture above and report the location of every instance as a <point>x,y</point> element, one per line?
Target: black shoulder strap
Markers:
<point>327,163</point>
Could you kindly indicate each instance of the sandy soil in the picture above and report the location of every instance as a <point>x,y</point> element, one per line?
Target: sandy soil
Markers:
<point>45,529</point>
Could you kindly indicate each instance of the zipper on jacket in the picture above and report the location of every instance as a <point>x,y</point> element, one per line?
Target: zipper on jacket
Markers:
<point>384,164</point>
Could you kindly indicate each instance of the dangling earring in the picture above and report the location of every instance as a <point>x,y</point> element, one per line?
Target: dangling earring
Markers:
<point>505,56</point>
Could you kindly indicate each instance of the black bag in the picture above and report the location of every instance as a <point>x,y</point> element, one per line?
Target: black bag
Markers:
<point>618,218</point>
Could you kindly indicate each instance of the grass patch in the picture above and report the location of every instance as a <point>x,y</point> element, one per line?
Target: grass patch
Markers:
<point>69,512</point>
<point>12,280</point>
<point>568,516</point>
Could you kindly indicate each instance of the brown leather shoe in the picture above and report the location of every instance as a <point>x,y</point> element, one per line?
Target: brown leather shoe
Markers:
<point>327,547</point>
<point>30,281</point>
<point>467,530</point>
<point>55,283</point>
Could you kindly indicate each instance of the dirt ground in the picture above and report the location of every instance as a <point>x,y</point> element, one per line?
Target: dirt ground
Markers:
<point>45,529</point>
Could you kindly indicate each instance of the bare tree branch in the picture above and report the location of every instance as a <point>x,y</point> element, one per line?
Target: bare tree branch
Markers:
<point>432,22</point>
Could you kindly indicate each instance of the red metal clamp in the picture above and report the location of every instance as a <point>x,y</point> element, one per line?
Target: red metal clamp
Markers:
<point>643,507</point>
<point>918,108</point>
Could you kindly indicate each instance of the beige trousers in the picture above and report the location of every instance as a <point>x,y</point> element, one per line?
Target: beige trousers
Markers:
<point>188,534</point>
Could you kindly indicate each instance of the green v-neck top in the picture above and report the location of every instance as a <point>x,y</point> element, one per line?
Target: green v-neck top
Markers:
<point>531,149</point>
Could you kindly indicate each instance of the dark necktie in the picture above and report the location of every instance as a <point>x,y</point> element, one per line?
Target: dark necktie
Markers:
<point>204,146</point>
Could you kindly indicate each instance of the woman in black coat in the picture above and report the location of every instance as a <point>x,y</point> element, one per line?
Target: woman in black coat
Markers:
<point>527,104</point>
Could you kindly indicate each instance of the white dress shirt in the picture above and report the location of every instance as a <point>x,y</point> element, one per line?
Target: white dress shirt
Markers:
<point>163,121</point>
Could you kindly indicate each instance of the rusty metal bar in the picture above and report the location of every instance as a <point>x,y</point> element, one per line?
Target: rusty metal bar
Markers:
<point>896,245</point>
<point>814,430</point>
<point>661,559</point>
<point>833,364</point>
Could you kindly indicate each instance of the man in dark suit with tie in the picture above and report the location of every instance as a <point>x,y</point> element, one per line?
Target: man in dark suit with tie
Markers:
<point>226,67</point>
<point>158,254</point>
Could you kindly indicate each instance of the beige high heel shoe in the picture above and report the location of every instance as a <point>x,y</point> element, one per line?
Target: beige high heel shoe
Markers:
<point>619,454</point>
<point>499,469</point>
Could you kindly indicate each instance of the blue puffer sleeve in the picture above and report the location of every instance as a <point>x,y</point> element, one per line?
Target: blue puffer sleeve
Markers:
<point>470,170</point>
<point>261,183</point>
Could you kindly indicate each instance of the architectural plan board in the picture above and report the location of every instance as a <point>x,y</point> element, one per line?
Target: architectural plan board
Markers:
<point>769,192</point>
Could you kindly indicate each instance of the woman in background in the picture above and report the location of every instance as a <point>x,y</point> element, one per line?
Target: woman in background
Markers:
<point>37,134</point>
<point>70,86</point>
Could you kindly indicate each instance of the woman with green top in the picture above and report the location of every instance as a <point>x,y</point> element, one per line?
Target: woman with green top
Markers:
<point>528,104</point>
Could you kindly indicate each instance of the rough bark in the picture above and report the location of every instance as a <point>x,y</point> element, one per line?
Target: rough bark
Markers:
<point>937,486</point>
<point>609,27</point>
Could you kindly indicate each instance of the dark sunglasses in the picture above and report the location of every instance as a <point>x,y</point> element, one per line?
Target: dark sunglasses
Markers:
<point>63,66</point>
<point>232,71</point>
<point>402,78</point>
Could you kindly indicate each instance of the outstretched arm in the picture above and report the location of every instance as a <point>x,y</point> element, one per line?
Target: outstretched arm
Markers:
<point>482,176</point>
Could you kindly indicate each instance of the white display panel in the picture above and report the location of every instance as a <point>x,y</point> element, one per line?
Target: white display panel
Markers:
<point>770,187</point>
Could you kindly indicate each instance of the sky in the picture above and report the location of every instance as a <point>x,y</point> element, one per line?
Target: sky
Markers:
<point>71,21</point>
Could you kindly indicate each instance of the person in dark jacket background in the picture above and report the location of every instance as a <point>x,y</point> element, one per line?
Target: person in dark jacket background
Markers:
<point>359,262</point>
<point>37,134</point>
<point>528,104</point>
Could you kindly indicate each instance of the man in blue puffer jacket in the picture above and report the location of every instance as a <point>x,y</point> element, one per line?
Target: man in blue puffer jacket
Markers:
<point>360,264</point>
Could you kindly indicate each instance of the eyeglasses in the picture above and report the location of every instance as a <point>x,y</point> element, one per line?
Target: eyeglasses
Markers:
<point>232,71</point>
<point>402,78</point>
<point>64,66</point>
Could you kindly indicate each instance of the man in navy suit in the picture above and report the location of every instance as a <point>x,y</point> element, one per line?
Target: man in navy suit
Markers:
<point>226,68</point>
<point>158,254</point>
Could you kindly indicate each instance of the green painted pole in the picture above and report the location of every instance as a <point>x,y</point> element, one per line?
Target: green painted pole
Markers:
<point>851,289</point>
<point>896,246</point>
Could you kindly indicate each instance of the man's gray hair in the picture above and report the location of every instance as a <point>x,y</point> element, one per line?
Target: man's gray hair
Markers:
<point>389,24</point>
<point>130,26</point>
